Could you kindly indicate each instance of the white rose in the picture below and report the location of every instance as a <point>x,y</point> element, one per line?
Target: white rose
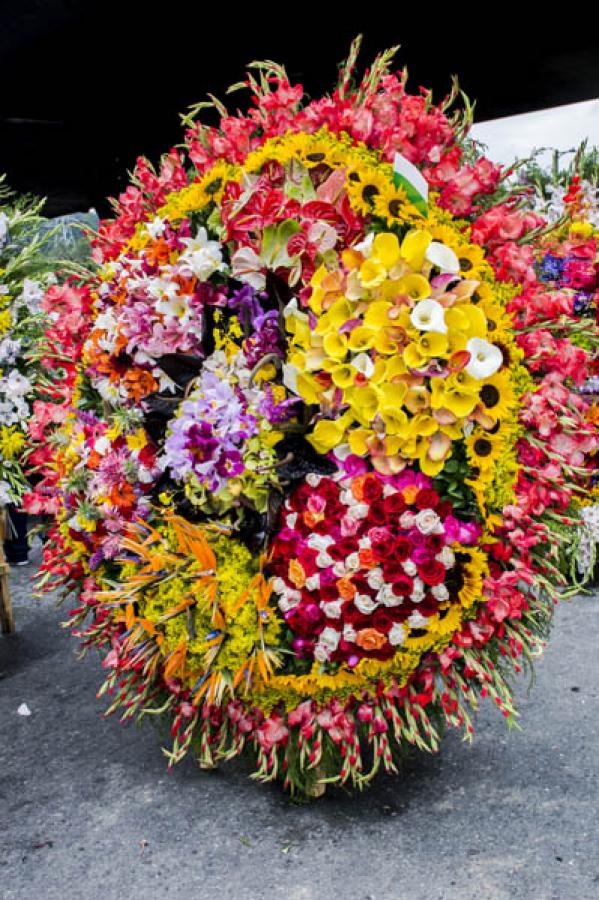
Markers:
<point>406,520</point>
<point>349,633</point>
<point>313,479</point>
<point>428,522</point>
<point>447,557</point>
<point>440,592</point>
<point>332,609</point>
<point>388,598</point>
<point>352,562</point>
<point>375,579</point>
<point>409,567</point>
<point>359,511</point>
<point>364,603</point>
<point>397,635</point>
<point>417,620</point>
<point>313,582</point>
<point>330,638</point>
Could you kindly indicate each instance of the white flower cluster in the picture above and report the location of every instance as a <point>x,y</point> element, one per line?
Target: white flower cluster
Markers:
<point>588,538</point>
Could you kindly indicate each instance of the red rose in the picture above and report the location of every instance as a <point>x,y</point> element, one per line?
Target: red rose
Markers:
<point>372,488</point>
<point>342,549</point>
<point>444,509</point>
<point>432,573</point>
<point>377,514</point>
<point>382,542</point>
<point>382,621</point>
<point>353,616</point>
<point>402,549</point>
<point>394,506</point>
<point>393,570</point>
<point>434,543</point>
<point>403,586</point>
<point>427,499</point>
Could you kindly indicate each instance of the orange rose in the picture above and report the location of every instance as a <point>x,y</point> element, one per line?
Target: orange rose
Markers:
<point>367,560</point>
<point>357,487</point>
<point>346,588</point>
<point>410,493</point>
<point>296,573</point>
<point>312,518</point>
<point>370,639</point>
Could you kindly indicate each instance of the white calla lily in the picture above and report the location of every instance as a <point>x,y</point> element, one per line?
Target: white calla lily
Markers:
<point>429,315</point>
<point>485,358</point>
<point>442,257</point>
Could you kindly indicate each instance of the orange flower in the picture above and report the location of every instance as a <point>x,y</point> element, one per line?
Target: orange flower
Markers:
<point>140,383</point>
<point>122,495</point>
<point>311,518</point>
<point>367,560</point>
<point>370,639</point>
<point>346,588</point>
<point>593,414</point>
<point>296,573</point>
<point>410,493</point>
<point>357,487</point>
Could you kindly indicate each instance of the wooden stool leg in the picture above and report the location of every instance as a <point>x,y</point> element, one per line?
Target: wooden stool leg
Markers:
<point>7,619</point>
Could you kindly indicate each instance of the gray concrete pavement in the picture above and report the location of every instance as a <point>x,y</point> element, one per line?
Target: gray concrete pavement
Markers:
<point>89,810</point>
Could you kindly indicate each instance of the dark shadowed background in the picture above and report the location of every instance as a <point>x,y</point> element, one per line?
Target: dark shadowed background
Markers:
<point>87,85</point>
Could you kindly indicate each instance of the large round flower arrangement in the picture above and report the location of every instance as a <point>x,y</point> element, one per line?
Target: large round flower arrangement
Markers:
<point>310,481</point>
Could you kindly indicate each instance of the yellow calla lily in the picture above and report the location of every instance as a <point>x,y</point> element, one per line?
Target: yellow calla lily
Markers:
<point>372,273</point>
<point>414,246</point>
<point>361,338</point>
<point>327,434</point>
<point>415,286</point>
<point>377,314</point>
<point>335,345</point>
<point>385,249</point>
<point>364,403</point>
<point>343,376</point>
<point>337,315</point>
<point>428,345</point>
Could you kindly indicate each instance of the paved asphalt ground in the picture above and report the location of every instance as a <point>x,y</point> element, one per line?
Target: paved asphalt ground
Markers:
<point>88,809</point>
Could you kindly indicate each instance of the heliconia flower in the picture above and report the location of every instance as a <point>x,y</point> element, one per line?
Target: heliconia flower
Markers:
<point>429,315</point>
<point>485,358</point>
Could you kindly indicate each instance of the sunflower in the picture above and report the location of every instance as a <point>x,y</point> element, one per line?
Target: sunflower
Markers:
<point>364,184</point>
<point>421,638</point>
<point>446,235</point>
<point>318,152</point>
<point>497,318</point>
<point>447,621</point>
<point>483,449</point>
<point>497,396</point>
<point>473,569</point>
<point>472,260</point>
<point>215,180</point>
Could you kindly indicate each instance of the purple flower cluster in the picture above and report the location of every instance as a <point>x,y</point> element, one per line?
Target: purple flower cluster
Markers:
<point>206,437</point>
